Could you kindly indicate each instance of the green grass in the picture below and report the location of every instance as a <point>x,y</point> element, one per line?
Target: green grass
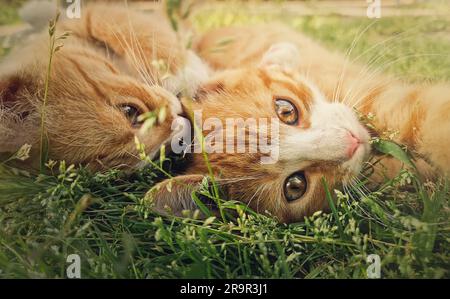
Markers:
<point>103,217</point>
<point>8,12</point>
<point>8,16</point>
<point>414,48</point>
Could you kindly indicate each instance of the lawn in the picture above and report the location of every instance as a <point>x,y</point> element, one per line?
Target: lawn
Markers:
<point>102,216</point>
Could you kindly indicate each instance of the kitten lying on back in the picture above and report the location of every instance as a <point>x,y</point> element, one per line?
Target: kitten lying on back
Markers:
<point>272,71</point>
<point>105,76</point>
<point>419,112</point>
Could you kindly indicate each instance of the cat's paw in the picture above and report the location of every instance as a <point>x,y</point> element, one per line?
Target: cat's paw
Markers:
<point>188,79</point>
<point>165,99</point>
<point>284,55</point>
<point>174,105</point>
<point>158,129</point>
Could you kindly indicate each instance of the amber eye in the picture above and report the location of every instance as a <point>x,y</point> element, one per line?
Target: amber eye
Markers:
<point>295,186</point>
<point>286,111</point>
<point>132,114</point>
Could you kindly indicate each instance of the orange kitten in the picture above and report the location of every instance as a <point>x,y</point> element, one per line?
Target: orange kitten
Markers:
<point>264,68</point>
<point>105,76</point>
<point>293,98</point>
<point>421,110</point>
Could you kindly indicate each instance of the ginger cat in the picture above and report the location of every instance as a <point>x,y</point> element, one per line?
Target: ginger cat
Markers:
<point>419,112</point>
<point>263,69</point>
<point>102,79</point>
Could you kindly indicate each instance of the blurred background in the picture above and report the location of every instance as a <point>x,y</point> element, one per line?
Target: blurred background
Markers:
<point>411,38</point>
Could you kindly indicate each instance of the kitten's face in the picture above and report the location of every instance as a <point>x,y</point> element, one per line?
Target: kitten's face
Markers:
<point>317,139</point>
<point>92,110</point>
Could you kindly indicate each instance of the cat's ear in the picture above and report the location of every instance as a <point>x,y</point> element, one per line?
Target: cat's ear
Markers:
<point>173,196</point>
<point>13,91</point>
<point>284,55</point>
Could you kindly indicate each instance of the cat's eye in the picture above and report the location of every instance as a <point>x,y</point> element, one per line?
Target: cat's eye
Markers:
<point>295,186</point>
<point>132,113</point>
<point>286,111</point>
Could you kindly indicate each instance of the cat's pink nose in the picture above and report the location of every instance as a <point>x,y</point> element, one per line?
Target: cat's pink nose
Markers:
<point>354,143</point>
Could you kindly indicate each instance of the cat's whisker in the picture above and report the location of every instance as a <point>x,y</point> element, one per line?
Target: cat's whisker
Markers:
<point>384,66</point>
<point>258,191</point>
<point>347,60</point>
<point>361,188</point>
<point>307,73</point>
<point>376,72</point>
<point>141,63</point>
<point>264,186</point>
<point>398,38</point>
<point>348,97</point>
<point>138,58</point>
<point>367,215</point>
<point>137,66</point>
<point>146,69</point>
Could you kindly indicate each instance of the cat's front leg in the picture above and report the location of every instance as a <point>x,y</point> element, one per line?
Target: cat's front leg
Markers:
<point>157,128</point>
<point>187,80</point>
